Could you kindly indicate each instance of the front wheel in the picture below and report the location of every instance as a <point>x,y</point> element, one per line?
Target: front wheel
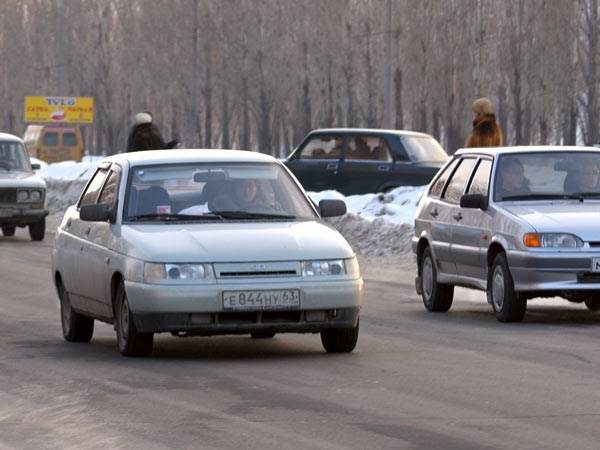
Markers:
<point>129,340</point>
<point>37,230</point>
<point>593,302</point>
<point>339,340</point>
<point>76,327</point>
<point>437,297</point>
<point>8,230</point>
<point>509,306</point>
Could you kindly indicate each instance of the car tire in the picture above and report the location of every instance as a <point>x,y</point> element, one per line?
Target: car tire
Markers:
<point>509,306</point>
<point>8,230</point>
<point>129,341</point>
<point>593,302</point>
<point>262,334</point>
<point>437,297</point>
<point>339,340</point>
<point>76,327</point>
<point>37,230</point>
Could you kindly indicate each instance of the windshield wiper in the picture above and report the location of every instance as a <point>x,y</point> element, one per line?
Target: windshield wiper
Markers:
<point>541,197</point>
<point>252,215</point>
<point>582,195</point>
<point>174,217</point>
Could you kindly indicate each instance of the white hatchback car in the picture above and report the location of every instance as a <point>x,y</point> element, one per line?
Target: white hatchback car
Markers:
<point>203,242</point>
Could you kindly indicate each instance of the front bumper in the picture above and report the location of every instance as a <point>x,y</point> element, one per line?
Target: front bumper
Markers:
<point>197,307</point>
<point>553,271</point>
<point>21,216</point>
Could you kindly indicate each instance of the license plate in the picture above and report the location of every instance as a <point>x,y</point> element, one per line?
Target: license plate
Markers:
<point>261,300</point>
<point>595,264</point>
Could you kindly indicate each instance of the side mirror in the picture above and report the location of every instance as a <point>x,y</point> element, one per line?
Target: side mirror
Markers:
<point>332,208</point>
<point>474,201</point>
<point>36,166</point>
<point>95,213</point>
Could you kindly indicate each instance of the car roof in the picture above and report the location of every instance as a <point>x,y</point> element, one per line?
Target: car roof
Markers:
<point>10,137</point>
<point>189,156</point>
<point>493,151</point>
<point>370,131</point>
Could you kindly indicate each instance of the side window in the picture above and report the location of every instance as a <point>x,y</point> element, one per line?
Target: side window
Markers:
<point>69,139</point>
<point>109,192</point>
<point>50,138</point>
<point>90,195</point>
<point>438,186</point>
<point>323,147</point>
<point>368,148</point>
<point>481,179</point>
<point>457,184</point>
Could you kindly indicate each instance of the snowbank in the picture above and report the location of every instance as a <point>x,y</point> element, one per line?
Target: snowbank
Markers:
<point>375,225</point>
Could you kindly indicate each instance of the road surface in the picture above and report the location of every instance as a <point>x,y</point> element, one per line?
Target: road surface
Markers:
<point>417,380</point>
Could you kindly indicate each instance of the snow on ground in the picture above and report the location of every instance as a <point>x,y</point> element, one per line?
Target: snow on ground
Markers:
<point>375,225</point>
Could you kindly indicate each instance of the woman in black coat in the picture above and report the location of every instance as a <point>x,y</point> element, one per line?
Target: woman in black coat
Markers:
<point>144,135</point>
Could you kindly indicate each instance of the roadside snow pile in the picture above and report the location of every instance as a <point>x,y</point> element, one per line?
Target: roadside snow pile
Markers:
<point>66,180</point>
<point>377,224</point>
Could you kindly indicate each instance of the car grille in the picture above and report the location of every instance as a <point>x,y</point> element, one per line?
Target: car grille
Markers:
<point>264,273</point>
<point>8,195</point>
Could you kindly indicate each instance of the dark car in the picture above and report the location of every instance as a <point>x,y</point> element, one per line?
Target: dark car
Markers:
<point>358,161</point>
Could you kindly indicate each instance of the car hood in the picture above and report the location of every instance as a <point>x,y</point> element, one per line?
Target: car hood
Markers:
<point>21,179</point>
<point>579,218</point>
<point>234,242</point>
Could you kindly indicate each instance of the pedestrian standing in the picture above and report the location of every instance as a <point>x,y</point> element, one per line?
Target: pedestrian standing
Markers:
<point>486,131</point>
<point>144,135</point>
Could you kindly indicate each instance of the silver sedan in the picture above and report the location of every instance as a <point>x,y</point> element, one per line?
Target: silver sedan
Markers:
<point>201,243</point>
<point>516,222</point>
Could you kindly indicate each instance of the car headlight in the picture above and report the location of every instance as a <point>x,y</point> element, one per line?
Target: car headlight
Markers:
<point>552,240</point>
<point>22,196</point>
<point>159,273</point>
<point>35,196</point>
<point>323,268</point>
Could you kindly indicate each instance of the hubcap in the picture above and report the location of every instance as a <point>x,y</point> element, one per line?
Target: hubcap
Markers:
<point>498,288</point>
<point>427,277</point>
<point>65,309</point>
<point>124,321</point>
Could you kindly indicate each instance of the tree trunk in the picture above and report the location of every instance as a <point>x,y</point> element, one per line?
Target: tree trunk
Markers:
<point>398,99</point>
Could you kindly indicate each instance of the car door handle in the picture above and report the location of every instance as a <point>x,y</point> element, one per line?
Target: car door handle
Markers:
<point>434,213</point>
<point>383,168</point>
<point>332,166</point>
<point>68,223</point>
<point>87,232</point>
<point>457,217</point>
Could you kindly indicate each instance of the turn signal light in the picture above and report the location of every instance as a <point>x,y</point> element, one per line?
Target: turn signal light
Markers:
<point>532,240</point>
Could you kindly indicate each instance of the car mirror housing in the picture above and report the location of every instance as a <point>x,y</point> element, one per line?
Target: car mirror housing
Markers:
<point>96,213</point>
<point>474,201</point>
<point>332,208</point>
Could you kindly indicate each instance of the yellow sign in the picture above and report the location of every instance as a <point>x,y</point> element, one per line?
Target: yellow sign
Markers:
<point>59,109</point>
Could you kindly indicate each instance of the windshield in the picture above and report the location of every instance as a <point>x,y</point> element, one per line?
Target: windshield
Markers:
<point>213,191</point>
<point>424,149</point>
<point>547,176</point>
<point>13,157</point>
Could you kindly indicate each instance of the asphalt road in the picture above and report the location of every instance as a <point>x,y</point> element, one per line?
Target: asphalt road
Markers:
<point>459,380</point>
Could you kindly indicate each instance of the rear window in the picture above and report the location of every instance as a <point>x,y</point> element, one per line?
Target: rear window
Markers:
<point>424,149</point>
<point>69,139</point>
<point>50,138</point>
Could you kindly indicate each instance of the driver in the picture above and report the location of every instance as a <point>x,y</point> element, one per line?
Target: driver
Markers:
<point>587,179</point>
<point>511,178</point>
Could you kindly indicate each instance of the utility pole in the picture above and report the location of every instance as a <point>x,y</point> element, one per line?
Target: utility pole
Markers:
<point>387,75</point>
<point>194,89</point>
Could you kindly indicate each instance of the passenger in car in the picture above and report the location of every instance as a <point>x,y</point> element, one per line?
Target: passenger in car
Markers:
<point>511,178</point>
<point>583,178</point>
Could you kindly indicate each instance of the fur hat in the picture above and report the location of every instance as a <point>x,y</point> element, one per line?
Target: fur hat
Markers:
<point>483,106</point>
<point>142,117</point>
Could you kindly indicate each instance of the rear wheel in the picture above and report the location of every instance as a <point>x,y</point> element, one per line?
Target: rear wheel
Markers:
<point>509,306</point>
<point>593,302</point>
<point>437,297</point>
<point>129,340</point>
<point>76,327</point>
<point>262,334</point>
<point>339,340</point>
<point>8,230</point>
<point>37,230</point>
